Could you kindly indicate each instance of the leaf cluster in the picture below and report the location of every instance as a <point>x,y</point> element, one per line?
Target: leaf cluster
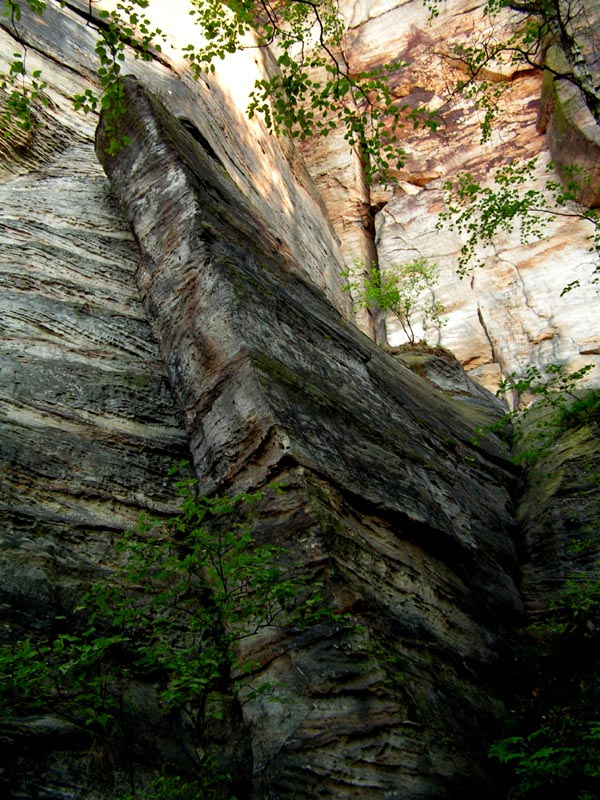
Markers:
<point>534,25</point>
<point>183,595</point>
<point>211,786</point>
<point>125,27</point>
<point>406,290</point>
<point>479,213</point>
<point>559,759</point>
<point>555,404</point>
<point>20,90</point>
<point>312,92</point>
<point>552,750</point>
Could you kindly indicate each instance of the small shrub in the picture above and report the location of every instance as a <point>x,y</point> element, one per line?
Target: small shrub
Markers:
<point>407,291</point>
<point>557,406</point>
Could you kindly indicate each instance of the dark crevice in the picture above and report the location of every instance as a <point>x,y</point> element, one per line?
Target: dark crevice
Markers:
<point>200,138</point>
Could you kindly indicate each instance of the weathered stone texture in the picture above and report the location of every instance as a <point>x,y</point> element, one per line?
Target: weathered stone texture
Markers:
<point>89,425</point>
<point>61,43</point>
<point>559,514</point>
<point>387,501</point>
<point>571,128</point>
<point>275,385</point>
<point>85,401</point>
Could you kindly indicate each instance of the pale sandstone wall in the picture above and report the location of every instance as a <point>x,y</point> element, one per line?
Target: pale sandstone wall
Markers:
<point>509,315</point>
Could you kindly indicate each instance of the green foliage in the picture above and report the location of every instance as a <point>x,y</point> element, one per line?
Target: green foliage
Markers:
<point>559,405</point>
<point>524,43</point>
<point>313,91</point>
<point>174,787</point>
<point>21,93</point>
<point>479,213</point>
<point>125,26</point>
<point>19,89</point>
<point>551,749</point>
<point>407,290</point>
<point>183,595</point>
<point>562,756</point>
<point>556,752</point>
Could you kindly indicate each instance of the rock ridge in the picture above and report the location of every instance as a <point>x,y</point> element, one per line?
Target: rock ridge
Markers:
<point>273,384</point>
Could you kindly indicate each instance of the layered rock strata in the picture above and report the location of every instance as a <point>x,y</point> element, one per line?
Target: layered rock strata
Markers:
<point>387,501</point>
<point>89,428</point>
<point>274,385</point>
<point>499,320</point>
<point>61,43</point>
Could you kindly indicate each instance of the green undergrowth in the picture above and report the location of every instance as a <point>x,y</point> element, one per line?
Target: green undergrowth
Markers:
<point>556,404</point>
<point>175,787</point>
<point>550,749</point>
<point>171,615</point>
<point>551,746</point>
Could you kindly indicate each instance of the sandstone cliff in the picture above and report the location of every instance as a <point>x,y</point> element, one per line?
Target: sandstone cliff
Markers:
<point>510,314</point>
<point>196,307</point>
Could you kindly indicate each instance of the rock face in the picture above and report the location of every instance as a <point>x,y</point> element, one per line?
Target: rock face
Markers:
<point>61,44</point>
<point>510,314</point>
<point>570,125</point>
<point>559,515</point>
<point>241,353</point>
<point>89,428</point>
<point>322,418</point>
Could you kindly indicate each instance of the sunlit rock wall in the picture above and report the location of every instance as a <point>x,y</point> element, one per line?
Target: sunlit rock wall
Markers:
<point>61,44</point>
<point>510,314</point>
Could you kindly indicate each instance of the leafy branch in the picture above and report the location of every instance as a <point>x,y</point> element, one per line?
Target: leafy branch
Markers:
<point>563,22</point>
<point>313,91</point>
<point>124,27</point>
<point>547,401</point>
<point>182,597</point>
<point>479,213</point>
<point>553,746</point>
<point>21,90</point>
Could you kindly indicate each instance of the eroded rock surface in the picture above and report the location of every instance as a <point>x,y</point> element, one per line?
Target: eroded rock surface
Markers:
<point>512,313</point>
<point>559,514</point>
<point>275,385</point>
<point>387,500</point>
<point>89,428</point>
<point>569,119</point>
<point>61,44</point>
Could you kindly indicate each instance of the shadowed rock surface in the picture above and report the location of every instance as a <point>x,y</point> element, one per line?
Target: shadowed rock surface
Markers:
<point>385,498</point>
<point>559,513</point>
<point>89,430</point>
<point>387,501</point>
